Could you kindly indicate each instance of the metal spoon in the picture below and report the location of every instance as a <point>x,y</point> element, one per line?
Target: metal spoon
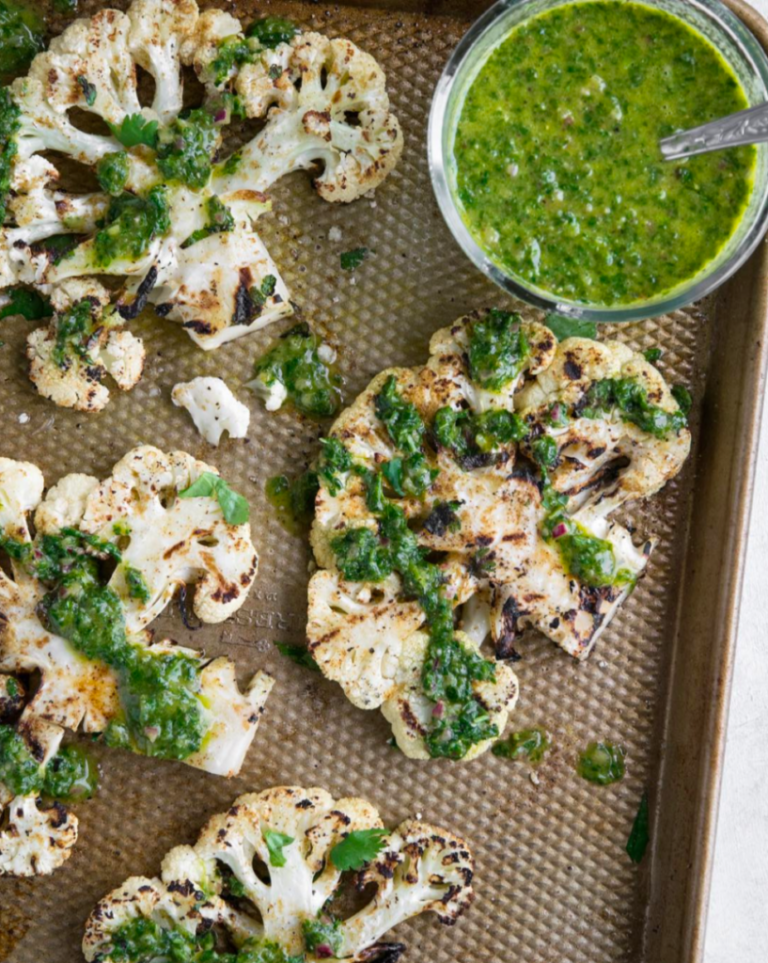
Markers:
<point>745,127</point>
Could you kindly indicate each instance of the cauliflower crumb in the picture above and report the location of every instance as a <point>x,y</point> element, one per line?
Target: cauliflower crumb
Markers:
<point>334,234</point>
<point>326,353</point>
<point>213,407</point>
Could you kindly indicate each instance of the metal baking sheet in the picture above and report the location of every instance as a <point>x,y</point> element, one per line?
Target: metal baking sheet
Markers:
<point>553,883</point>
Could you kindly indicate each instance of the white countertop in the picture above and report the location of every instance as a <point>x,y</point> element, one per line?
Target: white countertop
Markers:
<point>737,929</point>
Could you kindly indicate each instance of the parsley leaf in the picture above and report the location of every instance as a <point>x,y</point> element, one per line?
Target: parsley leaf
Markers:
<point>563,327</point>
<point>299,654</point>
<point>276,842</point>
<point>234,506</point>
<point>29,304</point>
<point>135,130</point>
<point>353,259</point>
<point>638,837</point>
<point>359,848</point>
<point>652,355</point>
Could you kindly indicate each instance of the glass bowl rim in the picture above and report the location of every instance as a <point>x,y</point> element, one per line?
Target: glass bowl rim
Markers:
<point>727,23</point>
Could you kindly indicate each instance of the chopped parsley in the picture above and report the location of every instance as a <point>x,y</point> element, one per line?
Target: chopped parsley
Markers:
<point>69,775</point>
<point>9,126</point>
<point>351,260</point>
<point>409,476</point>
<point>27,303</point>
<point>471,437</point>
<point>137,584</point>
<point>563,327</point>
<point>652,355</point>
<point>276,843</point>
<point>358,848</point>
<point>187,146</point>
<point>130,225</point>
<point>135,131</point>
<point>323,937</point>
<point>73,329</point>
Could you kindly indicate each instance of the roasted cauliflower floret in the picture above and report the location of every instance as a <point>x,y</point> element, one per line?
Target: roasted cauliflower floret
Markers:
<point>35,840</point>
<point>173,541</point>
<point>69,360</point>
<point>213,408</point>
<point>607,452</point>
<point>298,835</point>
<point>308,90</point>
<point>175,219</point>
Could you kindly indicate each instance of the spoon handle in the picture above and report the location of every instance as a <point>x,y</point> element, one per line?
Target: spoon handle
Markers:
<point>746,127</point>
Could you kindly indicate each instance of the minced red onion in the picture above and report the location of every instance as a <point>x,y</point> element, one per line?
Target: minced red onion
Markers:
<point>559,530</point>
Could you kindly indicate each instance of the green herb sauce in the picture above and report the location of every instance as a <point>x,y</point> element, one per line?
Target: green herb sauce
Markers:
<point>322,932</point>
<point>497,349</point>
<point>130,225</point>
<point>69,775</point>
<point>220,220</point>
<point>187,146</point>
<point>142,940</point>
<point>112,172</point>
<point>602,763</point>
<point>293,500</point>
<point>272,31</point>
<point>531,744</point>
<point>630,399</point>
<point>558,170</point>
<point>73,330</point>
<point>9,126</point>
<point>313,387</point>
<point>162,714</point>
<point>22,35</point>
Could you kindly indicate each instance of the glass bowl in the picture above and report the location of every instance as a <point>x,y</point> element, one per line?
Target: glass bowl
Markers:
<point>738,46</point>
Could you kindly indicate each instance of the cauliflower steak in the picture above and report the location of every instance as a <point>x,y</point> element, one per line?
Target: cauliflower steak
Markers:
<point>175,217</point>
<point>282,853</point>
<point>78,601</point>
<point>476,490</point>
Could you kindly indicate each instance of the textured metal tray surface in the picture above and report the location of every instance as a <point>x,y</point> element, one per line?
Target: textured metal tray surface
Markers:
<point>553,880</point>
